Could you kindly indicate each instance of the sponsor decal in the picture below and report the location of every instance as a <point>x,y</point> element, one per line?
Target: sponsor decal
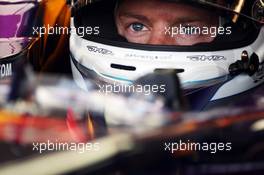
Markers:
<point>148,57</point>
<point>206,58</point>
<point>99,50</point>
<point>5,70</point>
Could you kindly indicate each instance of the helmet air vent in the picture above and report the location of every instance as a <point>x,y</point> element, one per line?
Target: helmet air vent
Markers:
<point>123,67</point>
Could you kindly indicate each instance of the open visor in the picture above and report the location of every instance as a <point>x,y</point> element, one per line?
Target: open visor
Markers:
<point>219,25</point>
<point>254,8</point>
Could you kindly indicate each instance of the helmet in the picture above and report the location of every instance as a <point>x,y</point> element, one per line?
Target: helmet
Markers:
<point>225,58</point>
<point>17,19</point>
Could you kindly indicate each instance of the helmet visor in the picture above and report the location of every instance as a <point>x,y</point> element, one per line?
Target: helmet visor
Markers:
<point>177,23</point>
<point>255,9</point>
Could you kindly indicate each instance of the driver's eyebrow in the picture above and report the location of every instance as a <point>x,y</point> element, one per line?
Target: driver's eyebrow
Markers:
<point>178,20</point>
<point>136,16</point>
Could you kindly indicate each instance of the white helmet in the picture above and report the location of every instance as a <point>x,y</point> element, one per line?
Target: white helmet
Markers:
<point>228,65</point>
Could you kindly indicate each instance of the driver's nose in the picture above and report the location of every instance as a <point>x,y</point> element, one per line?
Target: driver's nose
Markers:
<point>159,37</point>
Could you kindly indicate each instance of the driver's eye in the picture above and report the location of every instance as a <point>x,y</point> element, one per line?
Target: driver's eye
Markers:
<point>137,27</point>
<point>190,30</point>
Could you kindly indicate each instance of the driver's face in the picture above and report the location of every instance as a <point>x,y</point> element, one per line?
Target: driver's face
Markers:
<point>146,22</point>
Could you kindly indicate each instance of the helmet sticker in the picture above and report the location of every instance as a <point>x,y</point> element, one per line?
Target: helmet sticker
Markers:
<point>99,50</point>
<point>207,58</point>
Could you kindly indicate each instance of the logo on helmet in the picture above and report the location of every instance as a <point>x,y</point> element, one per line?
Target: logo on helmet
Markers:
<point>206,58</point>
<point>5,70</point>
<point>99,50</point>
